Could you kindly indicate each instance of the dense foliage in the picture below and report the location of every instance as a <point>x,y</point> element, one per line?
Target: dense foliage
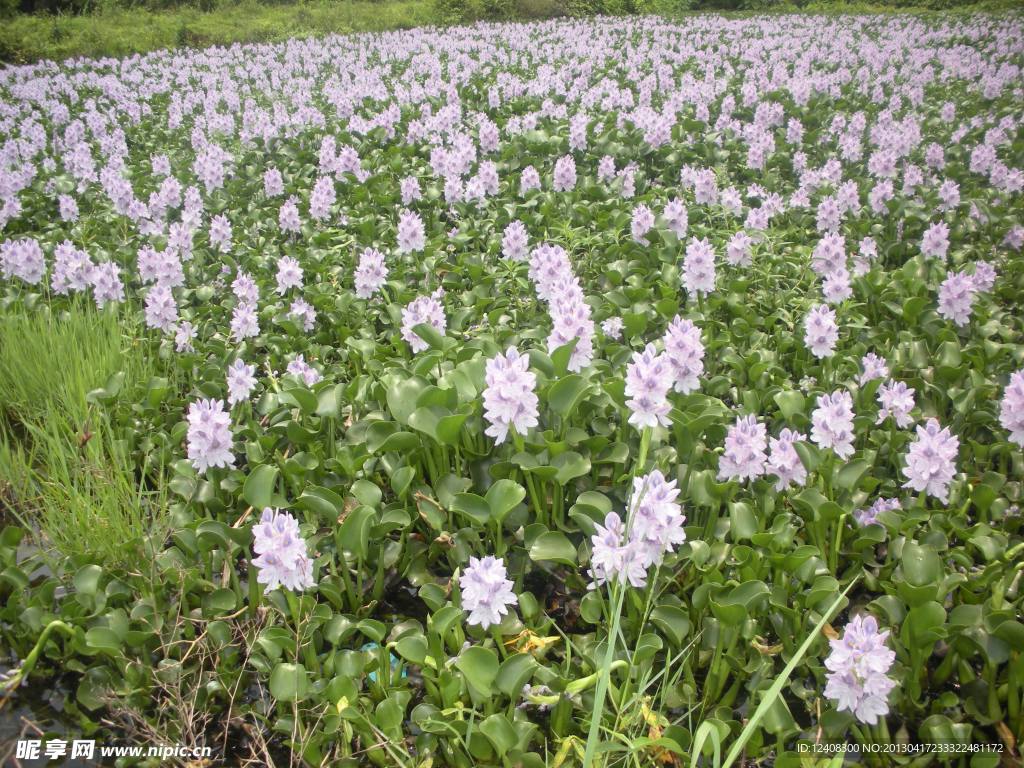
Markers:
<point>522,394</point>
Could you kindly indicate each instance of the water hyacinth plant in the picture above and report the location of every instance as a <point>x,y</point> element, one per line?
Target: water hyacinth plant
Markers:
<point>591,392</point>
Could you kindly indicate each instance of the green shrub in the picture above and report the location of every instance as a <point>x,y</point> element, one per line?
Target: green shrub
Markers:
<point>540,9</point>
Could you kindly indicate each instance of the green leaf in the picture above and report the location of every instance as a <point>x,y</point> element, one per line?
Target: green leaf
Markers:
<point>103,639</point>
<point>87,579</point>
<point>921,565</point>
<point>913,307</point>
<point>289,682</point>
<point>258,489</point>
<point>449,428</point>
<point>850,475</point>
<point>742,521</point>
<point>566,393</point>
<point>430,334</point>
<point>412,648</point>
<point>402,394</point>
<point>570,465</point>
<point>479,665</point>
<point>515,672</point>
<point>560,357</point>
<point>500,733</point>
<point>672,621</point>
<point>367,493</point>
<point>790,402</point>
<point>323,502</point>
<point>503,497</point>
<point>472,506</point>
<point>553,546</point>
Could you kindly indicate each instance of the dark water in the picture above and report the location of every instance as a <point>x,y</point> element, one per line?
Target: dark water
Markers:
<point>36,711</point>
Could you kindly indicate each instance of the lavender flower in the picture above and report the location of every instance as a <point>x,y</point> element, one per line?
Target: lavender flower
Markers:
<point>289,274</point>
<point>423,309</point>
<point>565,174</point>
<point>655,518</point>
<point>858,663</point>
<point>106,283</point>
<point>71,269</point>
<point>529,180</point>
<point>273,183</point>
<point>612,328</point>
<point>244,288</point>
<point>685,353</point>
<point>745,450</point>
<point>410,189</point>
<point>161,310</point>
<point>676,217</point>
<point>784,462</point>
<point>570,317</point>
<point>220,233</point>
<point>486,591</point>
<point>288,216</point>
<point>515,242</point>
<point>183,336</point>
<point>370,274</point>
<point>829,254</point>
<point>655,529</point>
<point>699,267</point>
<point>737,252</point>
<point>984,277</point>
<point>832,423</point>
<point>872,367</point>
<point>302,312</point>
<point>282,557</point>
<point>411,232</point>
<point>22,259</point>
<point>956,297</point>
<point>68,208</point>
<point>509,399</point>
<point>896,400</point>
<point>1011,409</point>
<point>641,224</point>
<point>299,367</point>
<point>241,381</point>
<point>244,322</point>
<point>613,557</point>
<point>935,241</point>
<point>648,379</point>
<point>931,460</point>
<point>869,515</point>
<point>821,331</point>
<point>836,287</point>
<point>209,435</point>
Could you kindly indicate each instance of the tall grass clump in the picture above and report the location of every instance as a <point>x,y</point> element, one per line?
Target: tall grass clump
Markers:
<point>65,471</point>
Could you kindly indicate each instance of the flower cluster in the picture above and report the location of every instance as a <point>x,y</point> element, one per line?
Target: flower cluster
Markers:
<point>1011,409</point>
<point>857,679</point>
<point>370,274</point>
<point>822,332</point>
<point>556,284</point>
<point>648,380</point>
<point>685,353</point>
<point>832,423</point>
<point>509,398</point>
<point>624,551</point>
<point>931,460</point>
<point>209,435</point>
<point>282,558</point>
<point>896,400</point>
<point>423,309</point>
<point>486,591</point>
<point>745,450</point>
